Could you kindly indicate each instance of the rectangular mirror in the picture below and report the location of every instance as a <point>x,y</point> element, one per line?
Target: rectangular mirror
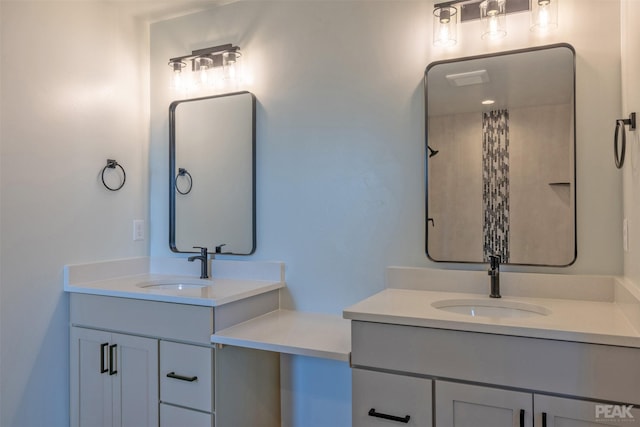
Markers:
<point>212,174</point>
<point>500,157</point>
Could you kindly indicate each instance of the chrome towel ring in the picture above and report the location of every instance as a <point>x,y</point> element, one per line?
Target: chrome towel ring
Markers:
<point>112,164</point>
<point>619,150</point>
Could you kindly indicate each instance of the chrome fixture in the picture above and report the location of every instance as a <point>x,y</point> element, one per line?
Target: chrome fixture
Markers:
<point>494,272</point>
<point>211,65</point>
<point>492,14</point>
<point>204,261</point>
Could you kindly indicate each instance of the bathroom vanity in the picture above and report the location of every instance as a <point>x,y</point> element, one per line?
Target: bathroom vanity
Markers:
<point>554,351</point>
<point>141,351</point>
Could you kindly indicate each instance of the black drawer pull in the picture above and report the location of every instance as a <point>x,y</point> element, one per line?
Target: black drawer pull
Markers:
<point>373,413</point>
<point>181,377</point>
<point>113,359</point>
<point>521,417</point>
<point>103,368</point>
<point>544,419</point>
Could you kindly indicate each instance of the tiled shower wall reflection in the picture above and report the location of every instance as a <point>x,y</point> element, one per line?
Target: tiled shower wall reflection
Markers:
<point>501,183</point>
<point>495,184</point>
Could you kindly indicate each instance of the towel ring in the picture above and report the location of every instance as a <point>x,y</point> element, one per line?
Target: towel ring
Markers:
<point>183,172</point>
<point>112,164</point>
<point>619,151</point>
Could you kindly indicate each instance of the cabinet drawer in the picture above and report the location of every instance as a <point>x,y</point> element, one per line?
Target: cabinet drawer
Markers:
<point>398,396</point>
<point>186,375</point>
<point>172,416</point>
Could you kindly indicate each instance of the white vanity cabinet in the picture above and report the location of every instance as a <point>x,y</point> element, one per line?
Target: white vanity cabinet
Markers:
<point>488,380</point>
<point>144,363</point>
<point>116,379</point>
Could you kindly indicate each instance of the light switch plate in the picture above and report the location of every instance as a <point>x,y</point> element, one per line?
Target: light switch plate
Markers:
<point>138,229</point>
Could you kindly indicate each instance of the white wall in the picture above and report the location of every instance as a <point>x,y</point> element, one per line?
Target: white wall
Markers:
<point>74,93</point>
<point>340,147</point>
<point>630,16</point>
<point>340,160</point>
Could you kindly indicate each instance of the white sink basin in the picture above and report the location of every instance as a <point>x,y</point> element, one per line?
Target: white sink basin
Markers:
<point>479,307</point>
<point>177,285</point>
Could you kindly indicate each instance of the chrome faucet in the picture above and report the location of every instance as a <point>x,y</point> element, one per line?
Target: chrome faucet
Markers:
<point>204,259</point>
<point>494,272</point>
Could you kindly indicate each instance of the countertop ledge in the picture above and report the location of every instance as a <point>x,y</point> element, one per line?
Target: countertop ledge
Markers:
<point>292,332</point>
<point>595,322</point>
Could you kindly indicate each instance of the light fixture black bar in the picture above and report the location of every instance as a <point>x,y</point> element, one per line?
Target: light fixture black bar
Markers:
<point>470,9</point>
<point>215,49</point>
<point>209,51</point>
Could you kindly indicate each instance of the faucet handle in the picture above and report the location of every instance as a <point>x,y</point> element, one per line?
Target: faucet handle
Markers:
<point>203,250</point>
<point>494,260</point>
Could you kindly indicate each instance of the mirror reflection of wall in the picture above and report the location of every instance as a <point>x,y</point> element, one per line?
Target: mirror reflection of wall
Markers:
<point>212,168</point>
<point>502,181</point>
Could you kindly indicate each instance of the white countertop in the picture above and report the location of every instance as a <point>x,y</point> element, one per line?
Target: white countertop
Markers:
<point>216,292</point>
<point>292,332</point>
<point>127,279</point>
<point>598,322</point>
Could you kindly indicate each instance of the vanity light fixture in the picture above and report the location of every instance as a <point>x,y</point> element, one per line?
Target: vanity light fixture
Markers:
<point>210,65</point>
<point>445,25</point>
<point>544,15</point>
<point>492,15</point>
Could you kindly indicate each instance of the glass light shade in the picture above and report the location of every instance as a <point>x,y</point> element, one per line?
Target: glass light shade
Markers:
<point>202,66</point>
<point>445,26</point>
<point>493,19</point>
<point>177,79</point>
<point>230,65</point>
<point>544,15</point>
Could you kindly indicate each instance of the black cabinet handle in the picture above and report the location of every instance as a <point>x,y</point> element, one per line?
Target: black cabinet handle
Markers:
<point>521,417</point>
<point>103,368</point>
<point>373,413</point>
<point>181,377</point>
<point>544,419</point>
<point>113,359</point>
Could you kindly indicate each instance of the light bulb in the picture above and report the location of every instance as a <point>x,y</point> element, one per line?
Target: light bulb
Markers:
<point>176,80</point>
<point>543,17</point>
<point>204,75</point>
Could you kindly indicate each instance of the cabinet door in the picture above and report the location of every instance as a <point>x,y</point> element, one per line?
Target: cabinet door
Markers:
<point>561,412</point>
<point>136,400</point>
<point>387,400</point>
<point>90,383</point>
<point>463,405</point>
